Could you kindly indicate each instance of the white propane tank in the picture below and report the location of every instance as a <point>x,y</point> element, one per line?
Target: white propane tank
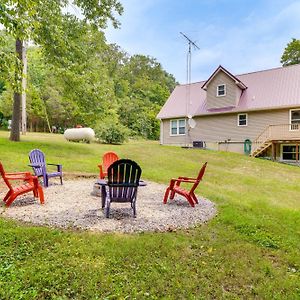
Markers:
<point>79,134</point>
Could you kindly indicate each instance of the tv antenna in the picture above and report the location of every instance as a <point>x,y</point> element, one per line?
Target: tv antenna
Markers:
<point>189,57</point>
<point>191,122</point>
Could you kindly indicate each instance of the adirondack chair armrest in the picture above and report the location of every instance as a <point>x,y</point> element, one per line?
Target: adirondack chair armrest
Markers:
<point>59,166</point>
<point>179,180</point>
<point>35,165</point>
<point>17,173</point>
<point>19,176</point>
<point>187,178</point>
<point>172,183</point>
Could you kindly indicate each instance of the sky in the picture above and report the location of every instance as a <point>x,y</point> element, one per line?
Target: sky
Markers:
<point>241,35</point>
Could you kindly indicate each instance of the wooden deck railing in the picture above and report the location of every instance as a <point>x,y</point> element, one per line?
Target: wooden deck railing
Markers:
<point>276,133</point>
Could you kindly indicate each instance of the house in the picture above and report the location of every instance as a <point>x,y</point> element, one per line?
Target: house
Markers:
<point>227,109</point>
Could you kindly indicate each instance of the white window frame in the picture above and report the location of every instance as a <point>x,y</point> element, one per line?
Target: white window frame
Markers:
<point>281,152</point>
<point>238,120</point>
<point>177,127</point>
<point>296,127</point>
<point>224,90</point>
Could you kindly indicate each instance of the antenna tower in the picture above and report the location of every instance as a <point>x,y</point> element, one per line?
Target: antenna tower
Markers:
<point>189,57</point>
<point>188,77</point>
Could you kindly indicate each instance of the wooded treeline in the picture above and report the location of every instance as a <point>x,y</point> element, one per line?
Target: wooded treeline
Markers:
<point>81,79</point>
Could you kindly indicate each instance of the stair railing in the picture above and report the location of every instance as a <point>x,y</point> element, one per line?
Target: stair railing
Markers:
<point>277,132</point>
<point>261,139</point>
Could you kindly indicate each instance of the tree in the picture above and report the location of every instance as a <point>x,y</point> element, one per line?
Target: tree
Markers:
<point>83,72</point>
<point>291,54</point>
<point>41,21</point>
<point>142,87</point>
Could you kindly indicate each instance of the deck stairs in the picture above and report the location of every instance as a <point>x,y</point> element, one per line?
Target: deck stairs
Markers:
<point>261,143</point>
<point>261,148</point>
<point>275,134</point>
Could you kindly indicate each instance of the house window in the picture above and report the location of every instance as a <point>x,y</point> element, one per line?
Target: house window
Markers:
<point>242,119</point>
<point>290,152</point>
<point>295,119</point>
<point>221,90</point>
<point>177,127</point>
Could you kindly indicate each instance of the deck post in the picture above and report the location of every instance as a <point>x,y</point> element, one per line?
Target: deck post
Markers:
<point>273,151</point>
<point>297,152</point>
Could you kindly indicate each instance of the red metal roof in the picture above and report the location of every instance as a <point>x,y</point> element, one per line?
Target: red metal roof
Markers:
<point>268,89</point>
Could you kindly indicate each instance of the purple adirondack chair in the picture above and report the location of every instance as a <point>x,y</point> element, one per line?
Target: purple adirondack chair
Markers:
<point>38,164</point>
<point>123,181</point>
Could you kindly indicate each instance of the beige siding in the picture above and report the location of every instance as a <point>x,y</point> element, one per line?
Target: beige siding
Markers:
<point>218,128</point>
<point>232,92</point>
<point>231,147</point>
<point>171,140</point>
<point>223,127</point>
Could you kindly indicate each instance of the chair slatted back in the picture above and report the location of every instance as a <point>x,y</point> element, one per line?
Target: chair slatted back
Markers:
<point>108,159</point>
<point>123,180</point>
<point>199,177</point>
<point>36,156</point>
<point>2,172</point>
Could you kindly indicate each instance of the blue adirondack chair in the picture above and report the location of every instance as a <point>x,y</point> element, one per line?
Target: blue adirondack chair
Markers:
<point>38,164</point>
<point>123,181</point>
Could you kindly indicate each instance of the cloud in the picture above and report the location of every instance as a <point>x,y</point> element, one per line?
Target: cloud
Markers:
<point>252,38</point>
<point>256,44</point>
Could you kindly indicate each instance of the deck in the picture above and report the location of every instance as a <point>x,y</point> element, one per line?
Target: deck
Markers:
<point>276,134</point>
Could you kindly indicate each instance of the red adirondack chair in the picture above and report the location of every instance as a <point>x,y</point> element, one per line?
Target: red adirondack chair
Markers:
<point>29,184</point>
<point>175,187</point>
<point>107,159</point>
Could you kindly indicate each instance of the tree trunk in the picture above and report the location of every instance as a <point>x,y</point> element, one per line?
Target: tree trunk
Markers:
<point>24,81</point>
<point>47,119</point>
<point>16,115</point>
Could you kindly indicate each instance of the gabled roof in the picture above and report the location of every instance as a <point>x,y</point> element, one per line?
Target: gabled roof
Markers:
<point>237,81</point>
<point>269,89</point>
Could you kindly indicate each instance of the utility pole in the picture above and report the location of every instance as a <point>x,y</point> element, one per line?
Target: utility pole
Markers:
<point>23,95</point>
<point>188,80</point>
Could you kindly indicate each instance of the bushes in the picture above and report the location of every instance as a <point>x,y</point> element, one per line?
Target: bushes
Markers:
<point>111,133</point>
<point>3,122</point>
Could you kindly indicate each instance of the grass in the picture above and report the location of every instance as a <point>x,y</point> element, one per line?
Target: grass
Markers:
<point>250,250</point>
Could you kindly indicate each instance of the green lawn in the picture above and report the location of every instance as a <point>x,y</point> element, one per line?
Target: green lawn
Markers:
<point>250,250</point>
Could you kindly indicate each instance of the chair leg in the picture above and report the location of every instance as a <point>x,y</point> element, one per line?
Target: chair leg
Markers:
<point>172,195</point>
<point>107,207</point>
<point>41,194</point>
<point>166,195</point>
<point>194,198</point>
<point>61,180</point>
<point>10,200</point>
<point>103,195</point>
<point>190,200</point>
<point>134,209</point>
<point>45,180</point>
<point>7,195</point>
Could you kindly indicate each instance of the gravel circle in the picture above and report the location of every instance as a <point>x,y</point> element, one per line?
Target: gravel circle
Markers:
<point>74,205</point>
